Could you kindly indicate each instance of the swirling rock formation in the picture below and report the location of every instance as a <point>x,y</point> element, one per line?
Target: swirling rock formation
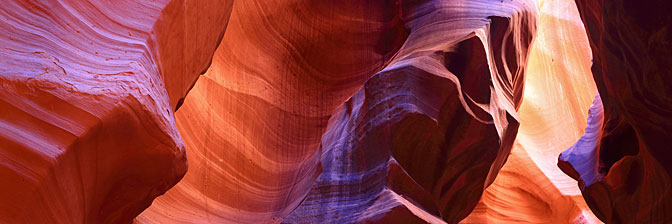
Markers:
<point>272,106</point>
<point>87,90</point>
<point>253,122</point>
<point>447,99</point>
<point>559,88</point>
<point>392,111</point>
<point>623,162</point>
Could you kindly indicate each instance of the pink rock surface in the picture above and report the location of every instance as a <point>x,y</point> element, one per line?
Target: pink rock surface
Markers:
<point>87,90</point>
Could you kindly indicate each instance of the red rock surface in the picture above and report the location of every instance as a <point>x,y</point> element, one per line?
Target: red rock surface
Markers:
<point>392,111</point>
<point>425,136</point>
<point>87,93</point>
<point>623,162</point>
<point>254,123</point>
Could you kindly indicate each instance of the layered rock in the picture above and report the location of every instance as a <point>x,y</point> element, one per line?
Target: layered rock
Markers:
<point>340,111</point>
<point>252,124</point>
<point>88,88</point>
<point>424,136</point>
<point>559,88</point>
<point>257,124</point>
<point>623,162</point>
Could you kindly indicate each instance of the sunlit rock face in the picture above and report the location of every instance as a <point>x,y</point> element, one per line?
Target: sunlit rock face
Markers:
<point>559,89</point>
<point>623,162</point>
<point>87,91</point>
<point>273,125</point>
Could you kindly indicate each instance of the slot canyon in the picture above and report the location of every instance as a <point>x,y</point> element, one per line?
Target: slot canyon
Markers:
<point>335,111</point>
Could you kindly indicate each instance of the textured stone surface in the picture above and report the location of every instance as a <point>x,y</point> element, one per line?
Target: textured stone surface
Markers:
<point>623,163</point>
<point>425,136</point>
<point>393,111</point>
<point>87,90</point>
<point>254,123</point>
<point>559,88</point>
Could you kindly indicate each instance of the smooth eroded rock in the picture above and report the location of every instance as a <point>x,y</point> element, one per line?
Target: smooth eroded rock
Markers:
<point>623,162</point>
<point>432,128</point>
<point>87,91</point>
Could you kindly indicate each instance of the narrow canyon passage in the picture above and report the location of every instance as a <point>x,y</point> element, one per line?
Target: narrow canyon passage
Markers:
<point>331,111</point>
<point>255,121</point>
<point>559,89</point>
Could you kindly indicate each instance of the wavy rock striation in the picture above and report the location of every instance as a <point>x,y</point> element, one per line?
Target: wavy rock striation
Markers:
<point>252,124</point>
<point>623,162</point>
<point>87,90</point>
<point>271,108</point>
<point>559,88</point>
<point>425,135</point>
<point>392,111</point>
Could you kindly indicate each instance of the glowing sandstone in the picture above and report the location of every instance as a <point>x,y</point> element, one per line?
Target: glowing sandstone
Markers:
<point>558,91</point>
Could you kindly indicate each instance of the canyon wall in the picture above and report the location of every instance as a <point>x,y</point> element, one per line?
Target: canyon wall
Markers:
<point>392,111</point>
<point>559,89</point>
<point>87,94</point>
<point>623,162</point>
<point>424,136</point>
<point>273,125</point>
